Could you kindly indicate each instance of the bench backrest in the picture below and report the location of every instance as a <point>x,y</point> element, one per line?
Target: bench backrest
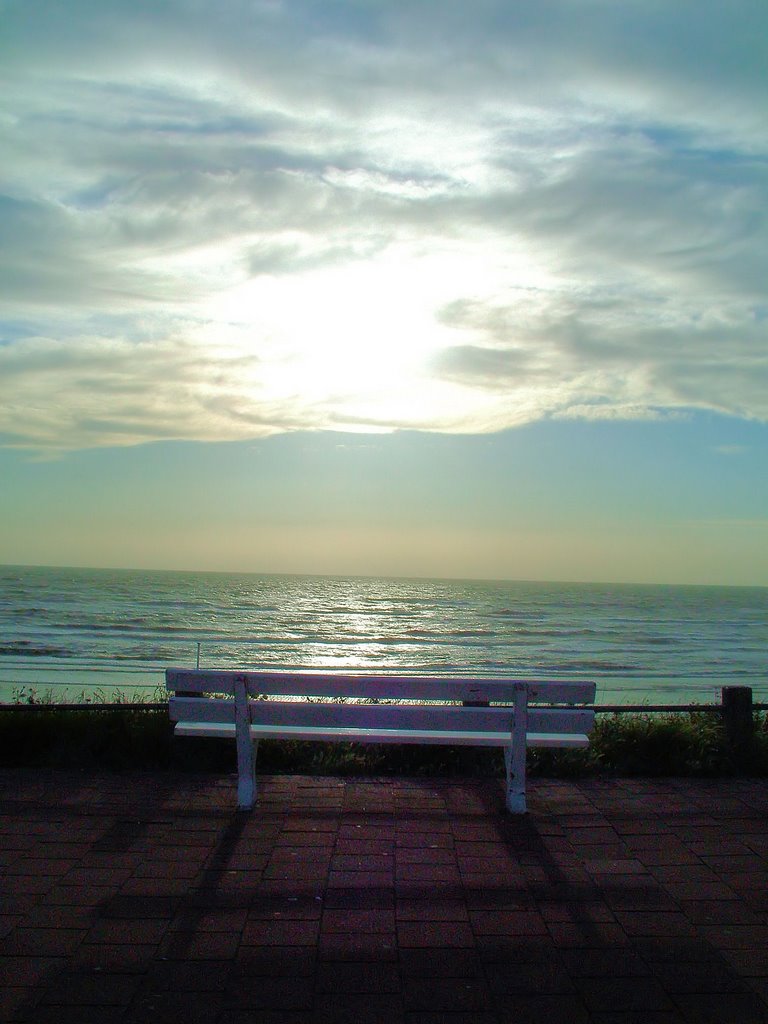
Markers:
<point>380,687</point>
<point>444,712</point>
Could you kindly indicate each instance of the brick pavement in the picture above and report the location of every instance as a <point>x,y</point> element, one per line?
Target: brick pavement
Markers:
<point>147,897</point>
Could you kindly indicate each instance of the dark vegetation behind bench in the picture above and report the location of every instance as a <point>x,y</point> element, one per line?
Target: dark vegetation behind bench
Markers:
<point>140,737</point>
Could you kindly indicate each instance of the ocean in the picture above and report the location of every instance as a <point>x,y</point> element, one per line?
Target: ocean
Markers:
<point>93,634</point>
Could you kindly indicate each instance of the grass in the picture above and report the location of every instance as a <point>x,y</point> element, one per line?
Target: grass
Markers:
<point>678,743</point>
<point>133,736</point>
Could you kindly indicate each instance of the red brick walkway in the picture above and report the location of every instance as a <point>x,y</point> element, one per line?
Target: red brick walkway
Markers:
<point>148,898</point>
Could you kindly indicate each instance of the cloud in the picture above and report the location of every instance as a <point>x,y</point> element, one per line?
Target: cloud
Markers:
<point>99,390</point>
<point>730,449</point>
<point>224,223</point>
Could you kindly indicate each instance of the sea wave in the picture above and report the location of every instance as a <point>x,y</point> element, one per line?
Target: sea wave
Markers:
<point>30,650</point>
<point>646,640</point>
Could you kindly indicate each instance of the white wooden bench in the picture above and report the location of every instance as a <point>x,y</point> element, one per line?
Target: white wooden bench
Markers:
<point>509,713</point>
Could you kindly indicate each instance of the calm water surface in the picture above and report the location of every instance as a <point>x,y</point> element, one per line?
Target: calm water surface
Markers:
<point>76,633</point>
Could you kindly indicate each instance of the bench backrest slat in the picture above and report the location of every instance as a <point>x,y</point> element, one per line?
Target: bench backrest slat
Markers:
<point>434,717</point>
<point>306,684</point>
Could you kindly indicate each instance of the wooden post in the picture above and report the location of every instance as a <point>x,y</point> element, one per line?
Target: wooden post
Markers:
<point>737,716</point>
<point>514,756</point>
<point>246,760</point>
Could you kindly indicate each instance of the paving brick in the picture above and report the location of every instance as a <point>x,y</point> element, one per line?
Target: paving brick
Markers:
<point>95,877</point>
<point>224,919</point>
<point>358,1009</point>
<point>675,948</point>
<point>587,934</point>
<point>91,989</point>
<point>305,840</point>
<point>28,971</point>
<point>625,995</point>
<point>50,866</point>
<point>432,1017</point>
<point>281,933</point>
<point>680,891</point>
<point>193,945</point>
<point>709,976</point>
<point>479,895</point>
<point>276,961</point>
<point>502,871</point>
<point>640,893</point>
<point>166,888</point>
<point>759,986</point>
<point>689,873</point>
<point>604,962</point>
<point>164,1007</point>
<point>732,1008</point>
<point>41,941</point>
<point>726,911</point>
<point>507,922</point>
<point>654,923</point>
<point>599,866</point>
<point>570,910</point>
<point>128,957</point>
<point>748,963</point>
<point>429,855</point>
<point>356,921</point>
<point>255,992</point>
<point>364,946</point>
<point>425,841</point>
<point>540,1009</point>
<point>362,862</point>
<point>136,930</point>
<point>18,1002</point>
<point>490,849</point>
<point>745,883</point>
<point>639,1017</point>
<point>431,910</point>
<point>546,977</point>
<point>446,995</point>
<point>374,898</point>
<point>364,976</point>
<point>440,962</point>
<point>291,888</point>
<point>30,885</point>
<point>736,936</point>
<point>363,847</point>
<point>283,908</point>
<point>431,933</point>
<point>46,916</point>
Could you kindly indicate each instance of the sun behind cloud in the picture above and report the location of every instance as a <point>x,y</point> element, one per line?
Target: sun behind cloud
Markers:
<point>353,344</point>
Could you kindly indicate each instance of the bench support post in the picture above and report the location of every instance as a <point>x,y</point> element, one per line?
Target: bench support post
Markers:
<point>246,760</point>
<point>514,756</point>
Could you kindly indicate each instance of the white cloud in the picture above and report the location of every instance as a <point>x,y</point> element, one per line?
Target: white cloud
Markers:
<point>730,449</point>
<point>221,223</point>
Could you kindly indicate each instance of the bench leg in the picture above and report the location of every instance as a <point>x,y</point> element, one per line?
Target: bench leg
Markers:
<point>246,778</point>
<point>514,755</point>
<point>515,798</point>
<point>246,749</point>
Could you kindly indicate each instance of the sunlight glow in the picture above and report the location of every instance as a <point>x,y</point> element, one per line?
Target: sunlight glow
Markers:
<point>353,341</point>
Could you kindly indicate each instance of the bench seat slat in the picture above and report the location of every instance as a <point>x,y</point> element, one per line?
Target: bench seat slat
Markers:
<point>225,730</point>
<point>310,684</point>
<point>423,717</point>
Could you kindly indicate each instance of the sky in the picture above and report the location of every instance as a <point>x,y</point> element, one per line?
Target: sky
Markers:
<point>386,286</point>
